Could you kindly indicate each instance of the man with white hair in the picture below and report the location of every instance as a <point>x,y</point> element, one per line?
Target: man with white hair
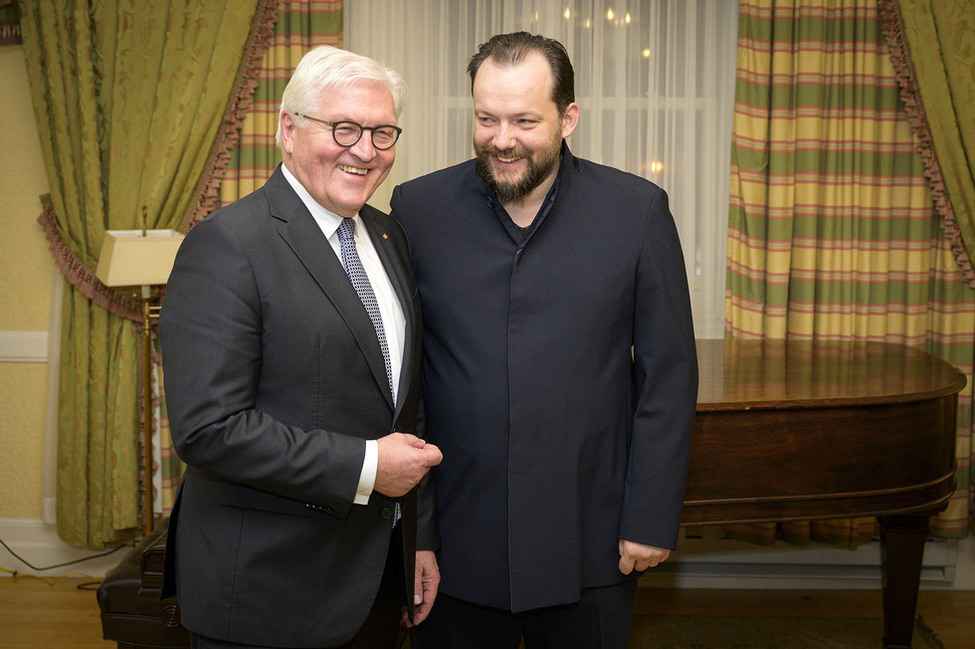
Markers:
<point>291,345</point>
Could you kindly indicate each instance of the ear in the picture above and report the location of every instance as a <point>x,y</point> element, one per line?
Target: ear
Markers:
<point>570,119</point>
<point>286,122</point>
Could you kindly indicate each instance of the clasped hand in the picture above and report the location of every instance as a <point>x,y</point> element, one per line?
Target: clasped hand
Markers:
<point>403,461</point>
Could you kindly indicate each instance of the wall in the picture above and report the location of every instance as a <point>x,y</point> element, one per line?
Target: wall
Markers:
<point>26,276</point>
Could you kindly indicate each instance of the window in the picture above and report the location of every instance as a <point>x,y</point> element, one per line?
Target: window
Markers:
<point>654,78</point>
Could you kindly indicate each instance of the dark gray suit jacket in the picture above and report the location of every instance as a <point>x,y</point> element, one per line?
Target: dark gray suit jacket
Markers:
<point>274,380</point>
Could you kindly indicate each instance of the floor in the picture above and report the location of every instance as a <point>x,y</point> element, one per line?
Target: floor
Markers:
<point>36,614</point>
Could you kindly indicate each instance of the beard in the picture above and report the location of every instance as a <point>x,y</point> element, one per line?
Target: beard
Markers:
<point>540,165</point>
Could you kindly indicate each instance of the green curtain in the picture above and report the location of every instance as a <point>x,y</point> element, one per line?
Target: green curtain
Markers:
<point>933,49</point>
<point>832,231</point>
<point>130,98</point>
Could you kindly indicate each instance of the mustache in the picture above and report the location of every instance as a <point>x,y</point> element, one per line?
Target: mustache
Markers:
<point>490,149</point>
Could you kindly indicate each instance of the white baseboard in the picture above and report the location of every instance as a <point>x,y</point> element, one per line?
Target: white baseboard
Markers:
<point>728,564</point>
<point>38,544</point>
<point>948,565</point>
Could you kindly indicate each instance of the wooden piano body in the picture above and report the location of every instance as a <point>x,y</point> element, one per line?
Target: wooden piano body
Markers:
<point>793,430</point>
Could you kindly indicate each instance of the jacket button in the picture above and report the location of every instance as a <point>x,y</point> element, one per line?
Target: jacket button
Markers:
<point>387,513</point>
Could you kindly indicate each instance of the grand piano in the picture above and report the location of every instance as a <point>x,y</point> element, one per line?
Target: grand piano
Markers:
<point>795,430</point>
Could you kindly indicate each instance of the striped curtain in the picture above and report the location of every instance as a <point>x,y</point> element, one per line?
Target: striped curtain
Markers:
<point>832,230</point>
<point>300,25</point>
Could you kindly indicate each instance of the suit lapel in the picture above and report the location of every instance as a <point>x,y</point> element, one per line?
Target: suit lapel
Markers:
<point>302,234</point>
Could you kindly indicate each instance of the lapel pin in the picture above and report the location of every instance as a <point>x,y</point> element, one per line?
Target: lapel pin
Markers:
<point>384,236</point>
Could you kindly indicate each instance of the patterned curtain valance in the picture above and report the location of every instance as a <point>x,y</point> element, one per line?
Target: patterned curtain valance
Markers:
<point>9,23</point>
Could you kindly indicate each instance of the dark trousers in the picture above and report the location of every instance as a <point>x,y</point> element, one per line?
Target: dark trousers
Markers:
<point>381,629</point>
<point>601,619</point>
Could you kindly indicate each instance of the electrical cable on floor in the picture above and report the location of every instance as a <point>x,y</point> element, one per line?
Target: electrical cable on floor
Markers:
<point>52,581</point>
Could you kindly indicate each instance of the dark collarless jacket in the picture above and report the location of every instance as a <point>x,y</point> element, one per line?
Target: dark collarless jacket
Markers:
<point>560,378</point>
<point>274,380</point>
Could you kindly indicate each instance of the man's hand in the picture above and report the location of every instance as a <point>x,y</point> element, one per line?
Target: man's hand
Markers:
<point>403,460</point>
<point>425,587</point>
<point>636,556</point>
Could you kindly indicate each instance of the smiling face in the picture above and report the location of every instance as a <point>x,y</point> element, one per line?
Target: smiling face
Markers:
<point>340,179</point>
<point>518,130</point>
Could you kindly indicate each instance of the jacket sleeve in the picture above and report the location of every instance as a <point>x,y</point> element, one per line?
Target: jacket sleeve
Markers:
<point>665,381</point>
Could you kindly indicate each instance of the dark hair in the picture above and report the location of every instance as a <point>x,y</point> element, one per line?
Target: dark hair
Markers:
<point>510,49</point>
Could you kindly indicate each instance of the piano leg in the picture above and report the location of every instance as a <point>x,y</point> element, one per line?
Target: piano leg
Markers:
<point>902,550</point>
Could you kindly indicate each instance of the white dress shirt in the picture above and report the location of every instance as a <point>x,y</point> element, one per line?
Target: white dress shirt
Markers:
<point>390,309</point>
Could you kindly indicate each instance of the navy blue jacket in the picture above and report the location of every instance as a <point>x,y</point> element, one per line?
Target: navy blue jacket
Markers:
<point>557,440</point>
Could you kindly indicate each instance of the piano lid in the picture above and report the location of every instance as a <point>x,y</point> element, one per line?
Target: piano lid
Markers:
<point>800,373</point>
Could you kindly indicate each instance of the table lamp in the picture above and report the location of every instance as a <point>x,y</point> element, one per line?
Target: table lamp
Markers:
<point>143,260</point>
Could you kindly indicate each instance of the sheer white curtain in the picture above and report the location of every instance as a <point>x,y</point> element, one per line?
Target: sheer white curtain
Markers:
<point>654,78</point>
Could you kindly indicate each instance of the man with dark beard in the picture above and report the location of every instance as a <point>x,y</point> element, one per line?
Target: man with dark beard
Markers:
<point>559,370</point>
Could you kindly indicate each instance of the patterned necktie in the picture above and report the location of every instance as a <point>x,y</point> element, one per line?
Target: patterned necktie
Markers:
<point>360,282</point>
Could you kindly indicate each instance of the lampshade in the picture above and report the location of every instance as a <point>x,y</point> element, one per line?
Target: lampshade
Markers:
<point>129,258</point>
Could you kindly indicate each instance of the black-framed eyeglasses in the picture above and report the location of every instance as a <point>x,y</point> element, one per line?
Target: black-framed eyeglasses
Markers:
<point>346,133</point>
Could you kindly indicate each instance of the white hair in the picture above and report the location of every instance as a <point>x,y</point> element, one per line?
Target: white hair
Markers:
<point>329,68</point>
